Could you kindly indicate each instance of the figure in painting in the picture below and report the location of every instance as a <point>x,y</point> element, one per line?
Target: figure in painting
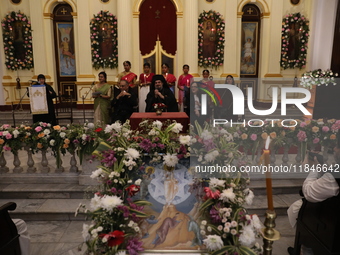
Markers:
<point>146,224</point>
<point>170,187</point>
<point>163,230</point>
<point>249,46</point>
<point>248,52</point>
<point>18,41</point>
<point>209,40</point>
<point>106,44</point>
<point>293,42</point>
<point>65,51</point>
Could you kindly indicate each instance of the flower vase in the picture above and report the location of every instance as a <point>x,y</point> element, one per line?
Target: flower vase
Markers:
<point>159,112</point>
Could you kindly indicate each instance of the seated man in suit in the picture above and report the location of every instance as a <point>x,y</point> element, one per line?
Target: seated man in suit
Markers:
<point>160,93</point>
<point>317,187</point>
<point>123,103</point>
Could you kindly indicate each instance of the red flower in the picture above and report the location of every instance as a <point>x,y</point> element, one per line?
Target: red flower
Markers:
<point>132,189</point>
<point>114,238</point>
<point>98,130</point>
<point>211,194</point>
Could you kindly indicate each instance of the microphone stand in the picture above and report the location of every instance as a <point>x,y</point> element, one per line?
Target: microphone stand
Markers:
<point>83,98</point>
<point>17,106</point>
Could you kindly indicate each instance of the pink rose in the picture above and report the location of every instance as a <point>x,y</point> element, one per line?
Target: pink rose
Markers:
<point>325,129</point>
<point>6,148</point>
<point>38,129</point>
<point>253,137</point>
<point>8,136</point>
<point>316,140</point>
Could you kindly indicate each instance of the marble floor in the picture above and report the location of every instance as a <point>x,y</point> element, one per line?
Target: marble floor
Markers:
<point>64,237</point>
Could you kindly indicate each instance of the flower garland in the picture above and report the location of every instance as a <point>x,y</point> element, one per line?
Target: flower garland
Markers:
<point>301,23</point>
<point>97,40</point>
<point>218,58</point>
<point>318,77</point>
<point>17,22</point>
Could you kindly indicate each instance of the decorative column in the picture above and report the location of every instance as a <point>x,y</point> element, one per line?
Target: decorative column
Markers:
<point>322,23</point>
<point>273,68</point>
<point>265,44</point>
<point>232,41</point>
<point>83,42</point>
<point>124,16</point>
<point>191,36</point>
<point>40,23</point>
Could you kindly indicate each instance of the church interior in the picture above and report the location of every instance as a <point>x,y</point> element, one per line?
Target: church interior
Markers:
<point>262,44</point>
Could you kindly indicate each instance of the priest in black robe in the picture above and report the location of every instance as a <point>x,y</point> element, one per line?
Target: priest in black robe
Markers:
<point>50,94</point>
<point>160,93</point>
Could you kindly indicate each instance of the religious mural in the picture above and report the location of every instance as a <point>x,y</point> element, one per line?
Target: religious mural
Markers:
<point>175,196</point>
<point>66,53</point>
<point>248,49</point>
<point>209,39</point>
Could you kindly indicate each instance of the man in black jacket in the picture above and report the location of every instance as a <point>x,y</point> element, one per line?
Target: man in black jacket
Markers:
<point>123,103</point>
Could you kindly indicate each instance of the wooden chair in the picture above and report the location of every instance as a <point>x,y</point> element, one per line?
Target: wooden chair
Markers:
<point>318,227</point>
<point>9,237</point>
<point>63,108</point>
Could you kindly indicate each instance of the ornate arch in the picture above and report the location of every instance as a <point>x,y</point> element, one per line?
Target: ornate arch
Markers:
<point>137,4</point>
<point>50,4</point>
<point>261,4</point>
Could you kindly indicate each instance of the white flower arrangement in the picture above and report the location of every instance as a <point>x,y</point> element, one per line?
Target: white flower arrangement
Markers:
<point>318,77</point>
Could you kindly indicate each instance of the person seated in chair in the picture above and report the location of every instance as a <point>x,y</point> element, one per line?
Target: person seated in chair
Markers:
<point>317,187</point>
<point>24,238</point>
<point>124,103</point>
<point>160,93</point>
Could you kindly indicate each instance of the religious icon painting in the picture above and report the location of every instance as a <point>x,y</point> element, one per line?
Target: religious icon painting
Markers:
<point>175,195</point>
<point>249,48</point>
<point>209,39</point>
<point>66,52</point>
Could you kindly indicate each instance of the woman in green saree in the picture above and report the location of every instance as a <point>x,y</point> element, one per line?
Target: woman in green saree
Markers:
<point>102,100</point>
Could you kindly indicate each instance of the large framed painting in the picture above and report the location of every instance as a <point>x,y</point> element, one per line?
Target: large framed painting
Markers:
<point>175,195</point>
<point>66,52</point>
<point>249,44</point>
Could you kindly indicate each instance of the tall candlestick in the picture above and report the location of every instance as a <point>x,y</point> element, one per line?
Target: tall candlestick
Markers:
<point>266,154</point>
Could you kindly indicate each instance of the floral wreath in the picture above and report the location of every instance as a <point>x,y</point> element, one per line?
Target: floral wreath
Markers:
<point>96,39</point>
<point>302,22</point>
<point>218,58</point>
<point>8,23</point>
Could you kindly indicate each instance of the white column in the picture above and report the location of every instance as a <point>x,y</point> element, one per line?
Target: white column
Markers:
<point>83,42</point>
<point>191,36</point>
<point>273,67</point>
<point>322,23</point>
<point>264,46</point>
<point>41,26</point>
<point>231,40</point>
<point>124,16</point>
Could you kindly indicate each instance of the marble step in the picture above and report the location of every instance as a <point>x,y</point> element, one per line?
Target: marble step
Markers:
<point>281,186</point>
<point>64,209</point>
<point>62,188</point>
<point>25,117</point>
<point>47,209</point>
<point>45,191</point>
